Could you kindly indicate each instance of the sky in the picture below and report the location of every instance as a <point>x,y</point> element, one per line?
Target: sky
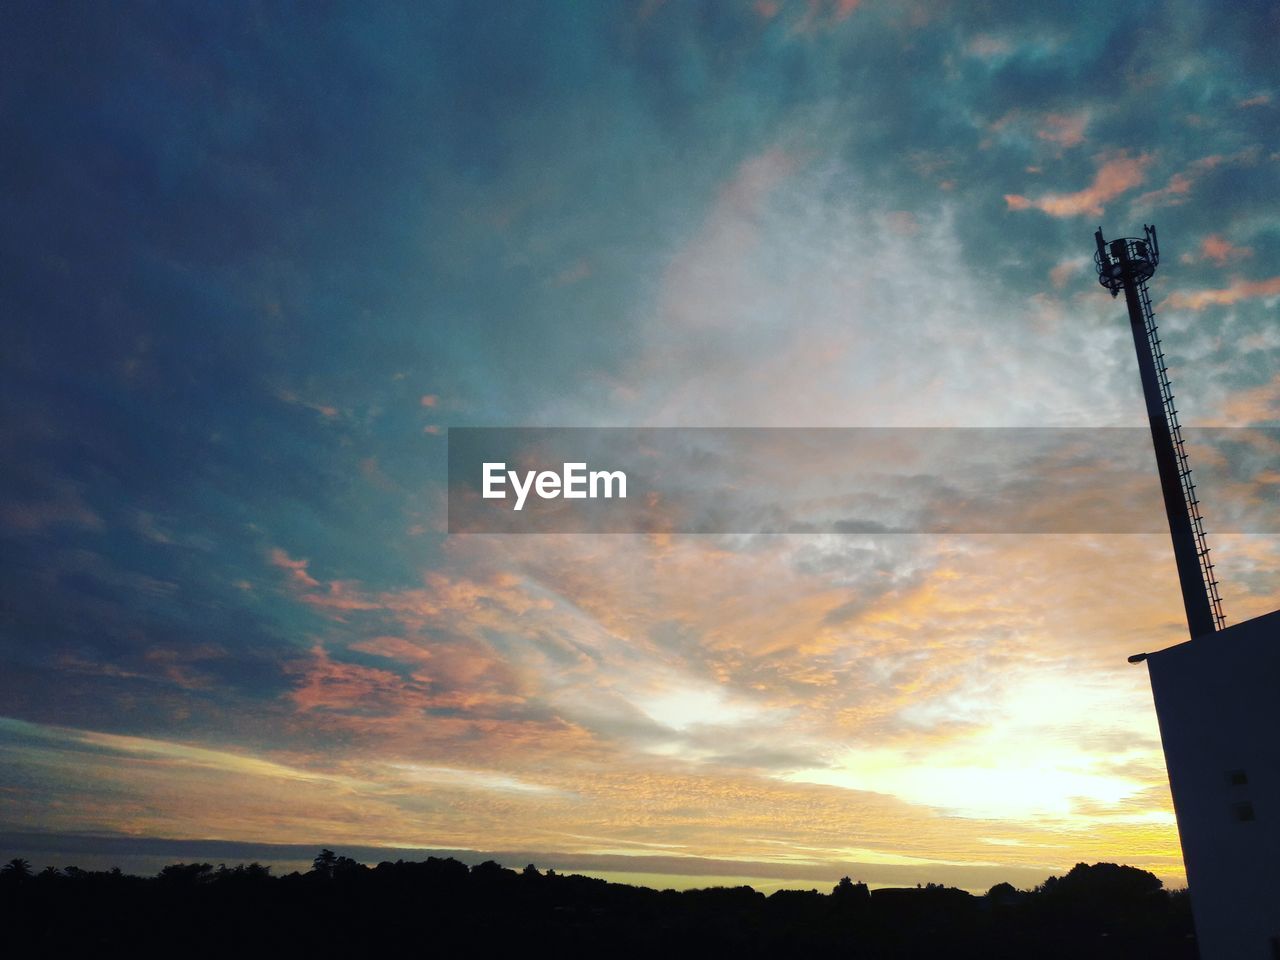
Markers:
<point>259,259</point>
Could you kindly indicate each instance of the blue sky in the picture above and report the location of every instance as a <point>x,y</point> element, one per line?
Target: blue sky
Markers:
<point>258,260</point>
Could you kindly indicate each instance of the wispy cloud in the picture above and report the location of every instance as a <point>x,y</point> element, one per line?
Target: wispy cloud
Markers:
<point>63,506</point>
<point>1180,185</point>
<point>1239,289</point>
<point>325,410</point>
<point>1255,406</point>
<point>1218,250</point>
<point>1116,175</point>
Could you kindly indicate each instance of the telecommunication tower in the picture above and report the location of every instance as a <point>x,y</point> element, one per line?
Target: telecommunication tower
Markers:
<point>1127,264</point>
<point>1215,694</point>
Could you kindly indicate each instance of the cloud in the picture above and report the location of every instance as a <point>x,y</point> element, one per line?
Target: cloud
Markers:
<point>794,315</point>
<point>326,684</point>
<point>696,824</point>
<point>1177,191</point>
<point>768,9</point>
<point>777,234</point>
<point>1255,406</point>
<point>1065,270</point>
<point>1063,129</point>
<point>1115,175</point>
<point>1238,290</point>
<point>1214,248</point>
<point>65,508</point>
<point>297,569</point>
<point>986,46</point>
<point>325,410</point>
<point>825,14</point>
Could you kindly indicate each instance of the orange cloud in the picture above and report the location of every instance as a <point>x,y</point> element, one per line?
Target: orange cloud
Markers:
<point>826,14</point>
<point>1114,177</point>
<point>1171,194</point>
<point>297,568</point>
<point>553,660</point>
<point>1215,248</point>
<point>1257,100</point>
<point>499,708</point>
<point>1060,131</point>
<point>429,400</point>
<point>330,684</point>
<point>1180,184</point>
<point>394,648</point>
<point>1238,290</point>
<point>1065,130</point>
<point>339,596</point>
<point>1256,405</point>
<point>1065,270</point>
<point>325,410</point>
<point>653,819</point>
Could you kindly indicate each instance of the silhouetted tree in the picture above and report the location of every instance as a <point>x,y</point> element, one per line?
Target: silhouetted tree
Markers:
<point>1104,912</point>
<point>346,867</point>
<point>1003,895</point>
<point>186,873</point>
<point>324,863</point>
<point>490,871</point>
<point>17,868</point>
<point>1105,881</point>
<point>848,892</point>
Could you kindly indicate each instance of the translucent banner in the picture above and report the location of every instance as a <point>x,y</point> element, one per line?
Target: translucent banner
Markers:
<point>857,480</point>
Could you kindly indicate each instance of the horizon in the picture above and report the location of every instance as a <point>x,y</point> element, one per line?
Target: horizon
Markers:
<point>259,266</point>
<point>105,853</point>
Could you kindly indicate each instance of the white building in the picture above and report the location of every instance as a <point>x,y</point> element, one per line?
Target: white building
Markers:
<point>1218,701</point>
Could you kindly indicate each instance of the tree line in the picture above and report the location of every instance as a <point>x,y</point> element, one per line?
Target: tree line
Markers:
<point>440,905</point>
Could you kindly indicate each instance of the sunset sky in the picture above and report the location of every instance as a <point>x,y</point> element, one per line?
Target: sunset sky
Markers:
<point>258,260</point>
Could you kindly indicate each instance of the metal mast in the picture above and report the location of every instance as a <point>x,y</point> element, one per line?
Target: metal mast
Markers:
<point>1127,264</point>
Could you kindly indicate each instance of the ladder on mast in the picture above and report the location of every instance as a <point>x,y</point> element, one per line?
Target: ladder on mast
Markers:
<point>1184,464</point>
